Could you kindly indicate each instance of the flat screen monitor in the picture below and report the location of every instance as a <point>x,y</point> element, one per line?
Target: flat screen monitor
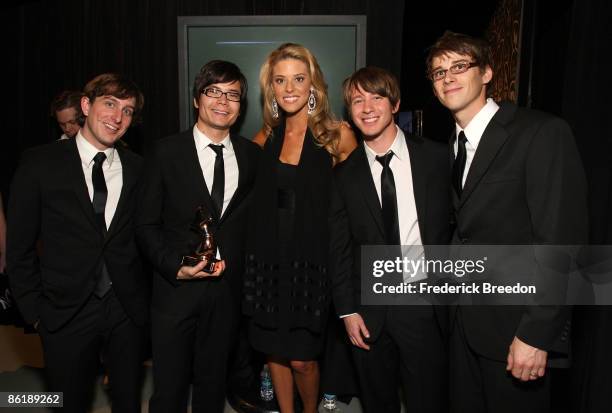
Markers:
<point>338,43</point>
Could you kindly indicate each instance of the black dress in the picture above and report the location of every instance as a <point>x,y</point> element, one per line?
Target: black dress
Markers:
<point>286,286</point>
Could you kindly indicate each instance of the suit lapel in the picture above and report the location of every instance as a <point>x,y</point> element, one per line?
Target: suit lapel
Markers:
<point>418,166</point>
<point>493,139</point>
<point>130,177</point>
<point>363,174</point>
<point>77,178</point>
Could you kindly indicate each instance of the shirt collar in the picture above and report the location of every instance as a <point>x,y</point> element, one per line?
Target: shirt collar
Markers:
<point>87,151</point>
<point>202,141</point>
<point>474,130</point>
<point>398,147</point>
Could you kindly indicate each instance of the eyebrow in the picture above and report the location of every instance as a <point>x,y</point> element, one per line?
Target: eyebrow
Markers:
<point>116,99</point>
<point>453,62</point>
<point>230,90</point>
<point>297,74</point>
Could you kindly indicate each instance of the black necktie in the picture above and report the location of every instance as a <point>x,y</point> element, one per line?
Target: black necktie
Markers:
<point>459,165</point>
<point>389,200</point>
<point>100,195</point>
<point>218,186</point>
<point>100,192</point>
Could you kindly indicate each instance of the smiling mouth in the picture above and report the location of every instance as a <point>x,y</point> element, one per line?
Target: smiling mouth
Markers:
<point>111,127</point>
<point>369,120</point>
<point>220,112</point>
<point>446,92</point>
<point>290,99</point>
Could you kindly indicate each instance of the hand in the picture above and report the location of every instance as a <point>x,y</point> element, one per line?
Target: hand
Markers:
<point>190,273</point>
<point>356,330</point>
<point>526,362</point>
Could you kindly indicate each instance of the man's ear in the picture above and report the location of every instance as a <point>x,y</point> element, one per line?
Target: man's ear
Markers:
<point>487,74</point>
<point>396,107</point>
<point>85,103</point>
<point>195,103</point>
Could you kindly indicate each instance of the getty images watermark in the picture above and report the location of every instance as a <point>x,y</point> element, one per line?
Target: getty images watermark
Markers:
<point>486,275</point>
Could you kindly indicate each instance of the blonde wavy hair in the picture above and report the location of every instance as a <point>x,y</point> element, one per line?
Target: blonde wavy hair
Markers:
<point>324,127</point>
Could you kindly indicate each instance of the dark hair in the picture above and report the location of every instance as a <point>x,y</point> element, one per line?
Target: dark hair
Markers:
<point>450,42</point>
<point>68,99</point>
<point>372,79</point>
<point>119,86</point>
<point>219,71</point>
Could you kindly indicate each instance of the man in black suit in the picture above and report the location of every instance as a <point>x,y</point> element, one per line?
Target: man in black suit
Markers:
<point>195,314</point>
<point>82,287</point>
<point>393,190</point>
<point>517,180</point>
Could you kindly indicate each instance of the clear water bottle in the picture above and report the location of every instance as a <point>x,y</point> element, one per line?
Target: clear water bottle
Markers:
<point>329,404</point>
<point>266,391</point>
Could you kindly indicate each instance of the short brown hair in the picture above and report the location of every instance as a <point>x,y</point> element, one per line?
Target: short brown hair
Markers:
<point>450,42</point>
<point>372,79</point>
<point>119,86</point>
<point>68,99</point>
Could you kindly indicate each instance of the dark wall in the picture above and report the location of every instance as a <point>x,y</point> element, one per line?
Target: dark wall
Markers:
<point>54,45</point>
<point>571,47</point>
<point>424,22</point>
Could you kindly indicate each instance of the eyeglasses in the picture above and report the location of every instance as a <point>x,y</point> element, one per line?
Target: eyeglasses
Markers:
<point>213,92</point>
<point>456,69</point>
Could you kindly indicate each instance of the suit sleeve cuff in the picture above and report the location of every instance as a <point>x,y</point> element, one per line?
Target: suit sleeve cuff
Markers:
<point>346,315</point>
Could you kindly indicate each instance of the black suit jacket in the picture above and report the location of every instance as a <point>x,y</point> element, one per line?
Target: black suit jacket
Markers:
<point>525,186</point>
<point>173,187</point>
<point>49,203</point>
<point>356,220</point>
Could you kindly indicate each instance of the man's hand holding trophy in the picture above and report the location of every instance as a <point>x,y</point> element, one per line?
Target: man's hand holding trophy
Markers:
<point>203,262</point>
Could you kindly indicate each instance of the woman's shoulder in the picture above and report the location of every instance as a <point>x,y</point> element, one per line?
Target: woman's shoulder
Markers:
<point>262,136</point>
<point>346,141</point>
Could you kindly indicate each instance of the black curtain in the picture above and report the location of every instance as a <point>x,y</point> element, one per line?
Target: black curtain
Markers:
<point>571,46</point>
<point>424,23</point>
<point>588,110</point>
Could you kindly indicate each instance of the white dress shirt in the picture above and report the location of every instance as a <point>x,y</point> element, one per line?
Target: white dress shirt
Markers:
<point>473,132</point>
<point>113,174</point>
<point>207,156</point>
<point>402,175</point>
<point>410,235</point>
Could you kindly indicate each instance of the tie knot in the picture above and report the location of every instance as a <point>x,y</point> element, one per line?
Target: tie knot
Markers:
<point>385,159</point>
<point>462,137</point>
<point>217,148</point>
<point>99,158</point>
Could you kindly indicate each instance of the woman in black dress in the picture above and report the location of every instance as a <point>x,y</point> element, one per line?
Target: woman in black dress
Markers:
<point>286,284</point>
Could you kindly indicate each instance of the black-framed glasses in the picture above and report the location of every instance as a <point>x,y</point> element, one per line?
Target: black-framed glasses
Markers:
<point>213,92</point>
<point>456,69</point>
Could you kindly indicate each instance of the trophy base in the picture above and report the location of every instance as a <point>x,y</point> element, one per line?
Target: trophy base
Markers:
<point>193,261</point>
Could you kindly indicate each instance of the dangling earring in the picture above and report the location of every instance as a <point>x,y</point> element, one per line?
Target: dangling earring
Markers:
<point>274,108</point>
<point>312,102</point>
